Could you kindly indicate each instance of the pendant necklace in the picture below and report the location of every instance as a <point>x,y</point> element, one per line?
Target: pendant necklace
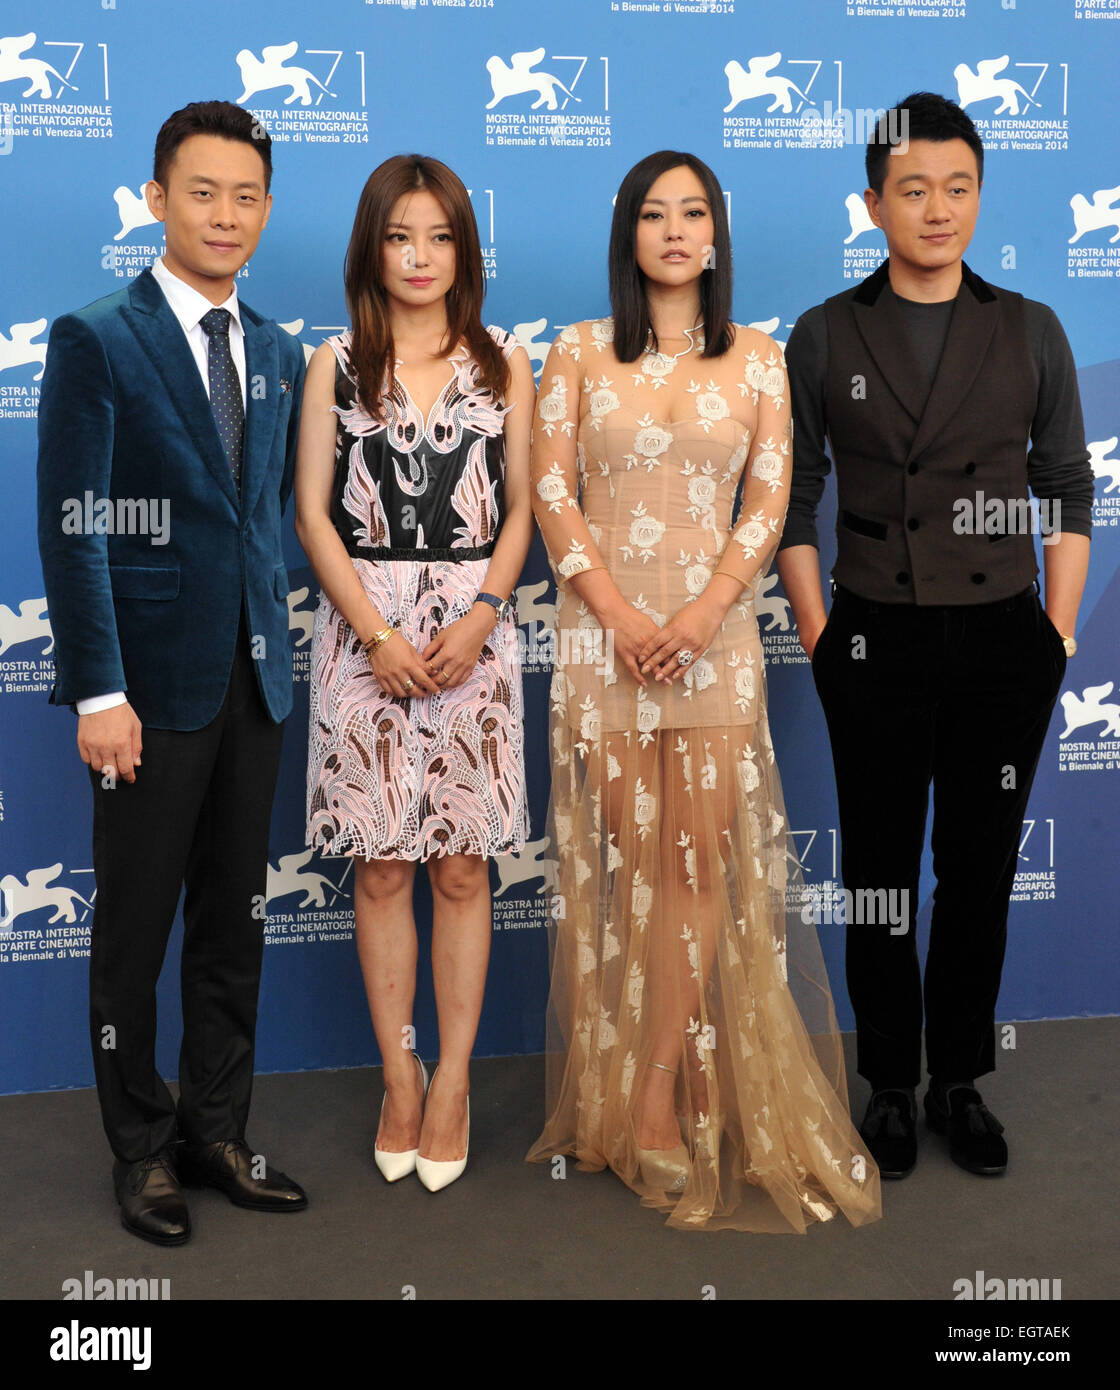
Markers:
<point>674,356</point>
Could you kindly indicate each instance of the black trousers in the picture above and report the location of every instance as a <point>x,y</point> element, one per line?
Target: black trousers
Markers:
<point>960,696</point>
<point>197,815</point>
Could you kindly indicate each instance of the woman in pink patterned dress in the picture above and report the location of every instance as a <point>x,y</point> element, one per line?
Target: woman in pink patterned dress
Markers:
<point>412,503</point>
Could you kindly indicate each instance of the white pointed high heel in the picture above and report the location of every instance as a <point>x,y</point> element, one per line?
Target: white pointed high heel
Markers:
<point>394,1166</point>
<point>436,1173</point>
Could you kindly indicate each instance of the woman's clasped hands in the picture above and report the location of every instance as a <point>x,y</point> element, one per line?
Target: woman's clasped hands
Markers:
<point>664,653</point>
<point>687,635</point>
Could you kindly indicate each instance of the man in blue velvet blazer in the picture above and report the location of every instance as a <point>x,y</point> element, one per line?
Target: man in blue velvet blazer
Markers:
<point>167,436</point>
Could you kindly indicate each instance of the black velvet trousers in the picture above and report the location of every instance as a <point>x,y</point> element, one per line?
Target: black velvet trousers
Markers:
<point>957,696</point>
<point>197,817</point>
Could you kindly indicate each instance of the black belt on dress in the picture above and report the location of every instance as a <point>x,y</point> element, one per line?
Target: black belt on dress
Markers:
<point>422,553</point>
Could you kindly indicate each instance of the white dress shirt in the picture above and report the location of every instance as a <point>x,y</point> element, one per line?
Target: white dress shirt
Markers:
<point>188,306</point>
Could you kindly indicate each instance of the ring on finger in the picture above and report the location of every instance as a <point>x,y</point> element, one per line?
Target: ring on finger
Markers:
<point>685,657</point>
<point>441,675</point>
<point>409,683</point>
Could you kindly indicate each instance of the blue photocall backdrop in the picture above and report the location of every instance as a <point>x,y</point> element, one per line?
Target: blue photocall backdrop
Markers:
<point>541,108</point>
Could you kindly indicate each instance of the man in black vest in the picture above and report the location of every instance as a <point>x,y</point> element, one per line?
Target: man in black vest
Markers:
<point>937,662</point>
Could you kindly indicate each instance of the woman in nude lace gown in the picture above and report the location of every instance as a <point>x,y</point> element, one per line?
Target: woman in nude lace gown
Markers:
<point>678,1055</point>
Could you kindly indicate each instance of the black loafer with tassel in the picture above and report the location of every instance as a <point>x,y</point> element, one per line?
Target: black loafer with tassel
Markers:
<point>889,1130</point>
<point>975,1135</point>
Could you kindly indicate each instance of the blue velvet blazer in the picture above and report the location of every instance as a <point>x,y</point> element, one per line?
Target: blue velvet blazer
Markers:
<point>124,418</point>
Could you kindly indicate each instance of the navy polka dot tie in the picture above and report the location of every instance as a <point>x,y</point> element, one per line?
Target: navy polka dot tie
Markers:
<point>225,388</point>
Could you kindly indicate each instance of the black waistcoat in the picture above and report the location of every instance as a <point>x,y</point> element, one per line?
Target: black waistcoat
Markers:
<point>910,525</point>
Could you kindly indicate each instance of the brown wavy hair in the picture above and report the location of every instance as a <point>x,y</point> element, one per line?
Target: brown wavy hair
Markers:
<point>372,355</point>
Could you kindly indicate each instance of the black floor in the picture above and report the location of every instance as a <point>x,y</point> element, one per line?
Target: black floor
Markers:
<point>509,1230</point>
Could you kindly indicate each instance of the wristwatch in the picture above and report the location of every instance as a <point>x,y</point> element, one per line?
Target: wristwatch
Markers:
<point>500,605</point>
<point>1070,644</point>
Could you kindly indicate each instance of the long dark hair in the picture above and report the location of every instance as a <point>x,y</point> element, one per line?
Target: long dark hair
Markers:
<point>371,345</point>
<point>632,326</point>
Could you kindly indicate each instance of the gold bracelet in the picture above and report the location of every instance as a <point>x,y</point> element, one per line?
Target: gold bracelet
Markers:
<point>377,640</point>
<point>743,583</point>
<point>594,569</point>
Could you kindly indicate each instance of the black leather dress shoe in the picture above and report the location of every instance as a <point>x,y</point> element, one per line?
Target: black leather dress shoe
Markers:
<point>245,1178</point>
<point>152,1203</point>
<point>975,1135</point>
<point>890,1131</point>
